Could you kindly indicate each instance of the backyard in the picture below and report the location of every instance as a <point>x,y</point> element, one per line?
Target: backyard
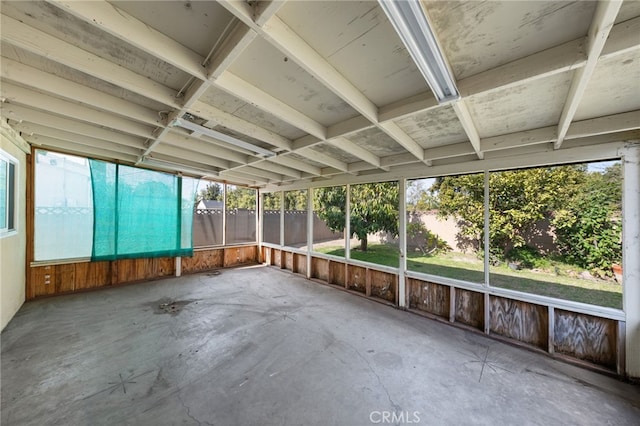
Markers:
<point>562,283</point>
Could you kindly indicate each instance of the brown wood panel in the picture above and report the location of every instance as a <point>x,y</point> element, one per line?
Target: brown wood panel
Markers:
<point>469,308</point>
<point>586,337</point>
<point>266,255</point>
<point>383,285</point>
<point>203,260</point>
<point>276,258</point>
<point>337,273</point>
<point>429,297</point>
<point>91,275</point>
<point>320,268</point>
<point>43,280</point>
<point>300,264</point>
<point>288,260</point>
<point>163,267</point>
<point>64,278</point>
<point>357,278</point>
<point>522,321</point>
<point>234,256</point>
<point>126,270</point>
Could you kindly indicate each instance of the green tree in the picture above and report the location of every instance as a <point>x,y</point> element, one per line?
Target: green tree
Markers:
<point>295,200</point>
<point>517,201</point>
<point>588,226</point>
<point>374,208</point>
<point>271,201</point>
<point>240,198</point>
<point>213,191</point>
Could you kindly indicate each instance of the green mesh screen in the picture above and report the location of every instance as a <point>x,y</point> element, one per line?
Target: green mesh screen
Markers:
<point>140,213</point>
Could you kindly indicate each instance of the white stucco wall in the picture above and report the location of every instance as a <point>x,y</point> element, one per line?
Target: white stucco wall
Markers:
<point>13,246</point>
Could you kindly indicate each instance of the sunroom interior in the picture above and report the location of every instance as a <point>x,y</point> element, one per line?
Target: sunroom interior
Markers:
<point>155,139</point>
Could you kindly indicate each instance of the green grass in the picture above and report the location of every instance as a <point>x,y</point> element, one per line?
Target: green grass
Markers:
<point>468,267</point>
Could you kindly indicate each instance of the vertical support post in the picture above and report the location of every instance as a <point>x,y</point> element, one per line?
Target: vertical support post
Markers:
<point>178,266</point>
<point>631,256</point>
<point>309,229</point>
<point>620,362</point>
<point>281,221</point>
<point>552,329</point>
<point>225,187</point>
<point>259,221</point>
<point>402,241</point>
<point>347,226</point>
<point>487,240</point>
<point>452,304</point>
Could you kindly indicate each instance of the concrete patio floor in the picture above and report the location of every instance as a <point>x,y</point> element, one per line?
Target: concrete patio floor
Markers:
<point>260,346</point>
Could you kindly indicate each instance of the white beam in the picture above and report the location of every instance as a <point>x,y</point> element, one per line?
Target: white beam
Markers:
<point>19,113</point>
<point>603,20</point>
<point>115,21</point>
<point>601,125</point>
<point>295,164</point>
<point>38,42</point>
<point>43,81</point>
<point>265,10</point>
<point>179,139</point>
<point>277,168</point>
<point>235,174</point>
<point>324,159</point>
<point>231,47</point>
<point>240,125</point>
<point>518,139</point>
<point>399,135</point>
<point>446,151</point>
<point>191,155</point>
<point>349,147</point>
<point>84,150</point>
<point>254,171</point>
<point>623,38</point>
<point>39,130</point>
<point>255,96</point>
<point>30,98</point>
<point>469,126</point>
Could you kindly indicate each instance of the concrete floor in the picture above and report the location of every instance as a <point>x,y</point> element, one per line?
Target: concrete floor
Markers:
<point>260,346</point>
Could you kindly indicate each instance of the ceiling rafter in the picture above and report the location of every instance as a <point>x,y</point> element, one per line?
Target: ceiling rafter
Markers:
<point>283,38</point>
<point>603,20</point>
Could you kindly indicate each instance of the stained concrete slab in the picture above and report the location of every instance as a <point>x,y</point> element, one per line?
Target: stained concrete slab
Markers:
<point>260,346</point>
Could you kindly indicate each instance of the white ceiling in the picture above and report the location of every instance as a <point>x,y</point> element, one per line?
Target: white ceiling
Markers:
<point>326,85</point>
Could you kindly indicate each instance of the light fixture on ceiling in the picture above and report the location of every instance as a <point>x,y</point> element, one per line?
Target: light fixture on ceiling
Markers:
<point>201,130</point>
<point>412,25</point>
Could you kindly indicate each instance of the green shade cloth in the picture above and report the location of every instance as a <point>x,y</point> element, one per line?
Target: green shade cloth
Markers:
<point>140,213</point>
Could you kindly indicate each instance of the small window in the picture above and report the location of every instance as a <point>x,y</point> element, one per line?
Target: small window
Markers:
<point>7,193</point>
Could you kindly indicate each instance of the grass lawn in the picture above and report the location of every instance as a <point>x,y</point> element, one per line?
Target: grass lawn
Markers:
<point>468,267</point>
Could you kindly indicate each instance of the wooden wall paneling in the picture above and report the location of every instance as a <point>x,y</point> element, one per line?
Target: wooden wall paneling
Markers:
<point>64,278</point>
<point>91,275</point>
<point>367,282</point>
<point>234,256</point>
<point>452,304</point>
<point>288,260</point>
<point>522,321</point>
<point>203,260</point>
<point>622,350</point>
<point>266,255</point>
<point>277,258</point>
<point>337,273</point>
<point>164,266</point>
<point>300,264</point>
<point>42,280</point>
<point>383,285</point>
<point>434,299</point>
<point>586,337</point>
<point>320,268</point>
<point>356,278</point>
<point>469,308</point>
<point>414,292</point>
<point>125,270</point>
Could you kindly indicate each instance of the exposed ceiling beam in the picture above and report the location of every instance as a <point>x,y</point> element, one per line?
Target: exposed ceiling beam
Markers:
<point>35,41</point>
<point>460,107</point>
<point>37,129</point>
<point>234,174</point>
<point>37,100</point>
<point>253,171</point>
<point>46,82</point>
<point>453,150</point>
<point>251,94</point>
<point>325,159</point>
<point>356,150</point>
<point>399,135</point>
<point>180,139</point>
<point>115,21</point>
<point>277,168</point>
<point>265,10</point>
<point>296,164</point>
<point>602,125</point>
<point>19,113</point>
<point>603,20</point>
<point>191,155</point>
<point>84,150</point>
<point>230,48</point>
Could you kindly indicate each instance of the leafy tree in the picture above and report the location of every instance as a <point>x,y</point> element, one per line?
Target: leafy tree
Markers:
<point>213,191</point>
<point>374,208</point>
<point>517,201</point>
<point>419,198</point>
<point>588,227</point>
<point>271,201</point>
<point>295,200</point>
<point>240,198</point>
